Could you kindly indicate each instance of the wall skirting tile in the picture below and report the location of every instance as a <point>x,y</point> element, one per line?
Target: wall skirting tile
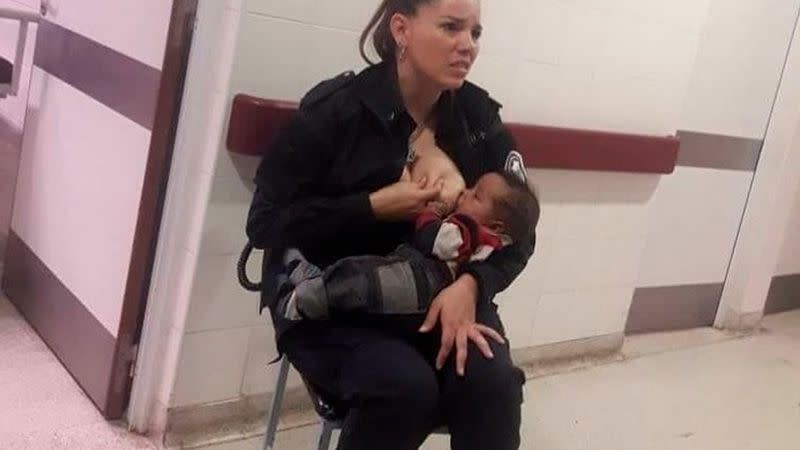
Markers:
<point>667,308</point>
<point>195,425</point>
<point>784,294</point>
<point>198,425</point>
<point>715,151</point>
<point>595,346</point>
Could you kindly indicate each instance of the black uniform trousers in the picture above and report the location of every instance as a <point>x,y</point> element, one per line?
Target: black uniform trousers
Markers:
<point>384,371</point>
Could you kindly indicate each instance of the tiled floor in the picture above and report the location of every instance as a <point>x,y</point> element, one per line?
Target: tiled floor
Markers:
<point>41,407</point>
<point>741,394</point>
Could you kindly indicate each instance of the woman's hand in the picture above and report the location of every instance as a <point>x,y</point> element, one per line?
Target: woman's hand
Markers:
<point>403,200</point>
<point>454,307</point>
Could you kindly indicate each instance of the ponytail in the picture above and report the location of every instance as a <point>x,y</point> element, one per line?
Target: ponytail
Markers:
<point>379,28</point>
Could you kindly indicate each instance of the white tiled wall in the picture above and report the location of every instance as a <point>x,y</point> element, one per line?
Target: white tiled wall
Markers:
<point>220,317</point>
<point>620,66</point>
<point>349,15</point>
<point>589,242</point>
<point>260,373</point>
<point>695,213</point>
<point>571,315</point>
<point>769,207</point>
<point>179,269</point>
<point>263,45</point>
<point>211,366</point>
<point>219,302</point>
<point>739,62</point>
<point>694,220</point>
<point>624,65</point>
<point>789,262</point>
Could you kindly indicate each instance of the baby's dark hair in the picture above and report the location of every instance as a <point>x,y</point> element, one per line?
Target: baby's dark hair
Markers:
<point>519,211</point>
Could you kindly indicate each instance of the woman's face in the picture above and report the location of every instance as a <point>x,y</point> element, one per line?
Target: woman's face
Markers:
<point>442,40</point>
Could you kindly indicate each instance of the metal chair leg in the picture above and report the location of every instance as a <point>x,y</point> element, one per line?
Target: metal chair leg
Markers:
<point>275,408</point>
<point>325,436</point>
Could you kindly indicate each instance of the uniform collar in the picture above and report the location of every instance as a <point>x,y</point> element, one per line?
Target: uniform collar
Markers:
<point>380,93</point>
<point>379,90</point>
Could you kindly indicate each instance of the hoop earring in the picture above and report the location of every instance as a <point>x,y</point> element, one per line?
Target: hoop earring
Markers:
<point>403,49</point>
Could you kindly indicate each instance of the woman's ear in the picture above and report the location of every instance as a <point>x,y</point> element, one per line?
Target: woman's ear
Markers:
<point>399,26</point>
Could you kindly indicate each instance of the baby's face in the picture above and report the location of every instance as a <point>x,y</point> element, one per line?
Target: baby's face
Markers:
<point>478,202</point>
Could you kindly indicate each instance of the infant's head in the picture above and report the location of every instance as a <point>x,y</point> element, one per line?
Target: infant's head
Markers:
<point>503,203</point>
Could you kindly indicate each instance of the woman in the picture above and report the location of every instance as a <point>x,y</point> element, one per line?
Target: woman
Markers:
<point>331,186</point>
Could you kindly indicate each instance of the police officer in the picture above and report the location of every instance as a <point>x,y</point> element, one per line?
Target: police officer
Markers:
<point>329,187</point>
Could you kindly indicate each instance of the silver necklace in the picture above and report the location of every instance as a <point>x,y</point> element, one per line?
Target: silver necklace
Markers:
<point>411,156</point>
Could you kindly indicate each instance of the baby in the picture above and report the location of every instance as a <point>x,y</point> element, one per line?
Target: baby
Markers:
<point>498,210</point>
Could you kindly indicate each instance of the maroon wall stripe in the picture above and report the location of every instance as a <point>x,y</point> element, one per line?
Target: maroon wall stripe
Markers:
<point>567,148</point>
<point>784,294</point>
<point>77,338</point>
<point>667,308</point>
<point>255,122</point>
<point>126,85</point>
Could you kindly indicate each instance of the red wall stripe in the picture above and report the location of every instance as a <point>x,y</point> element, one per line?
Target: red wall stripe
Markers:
<point>254,123</point>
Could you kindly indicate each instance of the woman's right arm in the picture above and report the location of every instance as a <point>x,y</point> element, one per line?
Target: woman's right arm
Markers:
<point>290,207</point>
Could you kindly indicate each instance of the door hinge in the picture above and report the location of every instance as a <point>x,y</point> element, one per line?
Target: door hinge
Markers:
<point>133,357</point>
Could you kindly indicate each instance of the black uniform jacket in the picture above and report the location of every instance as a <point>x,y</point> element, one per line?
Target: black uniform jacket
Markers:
<point>348,139</point>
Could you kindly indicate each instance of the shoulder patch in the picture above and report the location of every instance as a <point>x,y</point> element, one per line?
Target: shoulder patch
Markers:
<point>327,88</point>
<point>516,166</point>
